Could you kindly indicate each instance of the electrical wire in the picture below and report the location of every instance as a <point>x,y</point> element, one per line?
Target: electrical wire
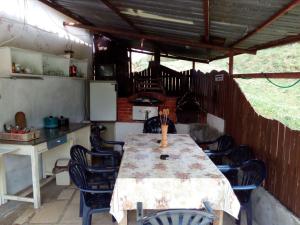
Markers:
<point>282,86</point>
<point>273,83</point>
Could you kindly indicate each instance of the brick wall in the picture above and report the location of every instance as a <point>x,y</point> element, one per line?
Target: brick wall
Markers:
<point>124,107</point>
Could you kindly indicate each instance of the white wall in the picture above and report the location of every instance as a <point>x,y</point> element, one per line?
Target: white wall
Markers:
<point>38,98</point>
<point>216,122</point>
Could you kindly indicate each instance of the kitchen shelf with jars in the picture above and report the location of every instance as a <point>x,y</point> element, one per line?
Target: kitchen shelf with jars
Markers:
<point>17,62</point>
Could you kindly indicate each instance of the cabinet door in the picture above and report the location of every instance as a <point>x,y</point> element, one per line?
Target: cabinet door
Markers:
<point>103,101</point>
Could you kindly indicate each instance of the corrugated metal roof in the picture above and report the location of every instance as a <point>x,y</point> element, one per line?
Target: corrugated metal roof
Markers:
<point>287,25</point>
<point>184,19</point>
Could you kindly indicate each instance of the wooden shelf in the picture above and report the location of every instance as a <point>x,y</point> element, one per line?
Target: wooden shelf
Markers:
<point>26,75</point>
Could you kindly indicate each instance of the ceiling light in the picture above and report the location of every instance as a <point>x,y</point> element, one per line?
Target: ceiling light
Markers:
<point>143,14</point>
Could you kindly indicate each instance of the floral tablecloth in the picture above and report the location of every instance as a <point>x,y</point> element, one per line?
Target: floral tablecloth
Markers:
<point>186,179</point>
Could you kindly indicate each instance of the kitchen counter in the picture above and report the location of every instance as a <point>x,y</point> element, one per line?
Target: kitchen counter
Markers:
<point>49,134</point>
<point>41,153</point>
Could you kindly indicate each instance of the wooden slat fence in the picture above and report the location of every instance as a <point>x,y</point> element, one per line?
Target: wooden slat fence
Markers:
<point>271,141</point>
<point>175,83</point>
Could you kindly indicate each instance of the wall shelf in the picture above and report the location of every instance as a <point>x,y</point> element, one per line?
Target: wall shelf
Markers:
<point>40,64</point>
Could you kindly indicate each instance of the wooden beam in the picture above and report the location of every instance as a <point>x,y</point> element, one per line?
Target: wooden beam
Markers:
<point>206,20</point>
<point>117,11</point>
<point>290,75</point>
<point>167,40</point>
<point>280,42</point>
<point>172,56</point>
<point>65,11</point>
<point>270,20</point>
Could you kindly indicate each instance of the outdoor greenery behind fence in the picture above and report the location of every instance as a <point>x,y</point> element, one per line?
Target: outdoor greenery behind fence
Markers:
<point>282,104</point>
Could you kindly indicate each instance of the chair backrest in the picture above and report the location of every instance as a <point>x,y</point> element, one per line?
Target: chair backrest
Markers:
<point>78,155</point>
<point>225,142</point>
<point>95,137</point>
<point>252,172</point>
<point>240,154</point>
<point>175,217</point>
<point>153,125</point>
<point>77,174</point>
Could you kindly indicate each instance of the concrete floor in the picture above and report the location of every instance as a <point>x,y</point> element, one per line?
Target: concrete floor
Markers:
<point>60,207</point>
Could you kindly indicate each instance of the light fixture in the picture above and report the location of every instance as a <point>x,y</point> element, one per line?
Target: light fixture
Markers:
<point>143,14</point>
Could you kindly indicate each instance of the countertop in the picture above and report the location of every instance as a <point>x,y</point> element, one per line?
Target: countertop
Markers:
<point>49,134</point>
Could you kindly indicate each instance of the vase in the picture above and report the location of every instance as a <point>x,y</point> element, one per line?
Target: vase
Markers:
<point>164,137</point>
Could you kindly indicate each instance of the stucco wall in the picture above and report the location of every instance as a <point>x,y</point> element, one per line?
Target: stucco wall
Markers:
<point>38,98</point>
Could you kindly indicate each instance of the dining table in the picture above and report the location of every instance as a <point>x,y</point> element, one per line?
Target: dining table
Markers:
<point>180,175</point>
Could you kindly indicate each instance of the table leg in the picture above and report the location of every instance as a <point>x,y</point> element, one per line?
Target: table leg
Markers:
<point>219,219</point>
<point>2,181</point>
<point>35,178</point>
<point>125,219</point>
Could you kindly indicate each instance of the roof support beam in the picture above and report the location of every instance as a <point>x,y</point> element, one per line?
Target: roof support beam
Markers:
<point>270,20</point>
<point>206,20</point>
<point>231,62</point>
<point>117,11</point>
<point>283,41</point>
<point>293,75</point>
<point>174,41</point>
<point>65,11</point>
<point>172,56</point>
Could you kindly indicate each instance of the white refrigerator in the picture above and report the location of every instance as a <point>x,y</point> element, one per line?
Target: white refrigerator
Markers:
<point>103,101</point>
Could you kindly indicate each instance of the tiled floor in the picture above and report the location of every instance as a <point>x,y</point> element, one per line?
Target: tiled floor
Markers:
<point>60,207</point>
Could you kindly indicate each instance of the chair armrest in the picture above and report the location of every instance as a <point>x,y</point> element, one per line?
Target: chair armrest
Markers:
<point>226,168</point>
<point>216,153</point>
<point>205,142</point>
<point>244,188</point>
<point>122,143</point>
<point>101,170</point>
<point>96,191</point>
<point>101,153</point>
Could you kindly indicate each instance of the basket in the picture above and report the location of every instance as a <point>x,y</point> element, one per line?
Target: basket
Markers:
<point>19,137</point>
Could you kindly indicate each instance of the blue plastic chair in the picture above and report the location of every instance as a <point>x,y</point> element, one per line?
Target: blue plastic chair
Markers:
<point>244,179</point>
<point>153,125</point>
<point>98,144</point>
<point>223,143</point>
<point>93,200</point>
<point>231,157</point>
<point>176,216</point>
<point>99,175</point>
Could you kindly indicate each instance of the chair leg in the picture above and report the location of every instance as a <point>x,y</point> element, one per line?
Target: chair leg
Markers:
<point>89,219</point>
<point>238,221</point>
<point>86,216</point>
<point>80,205</point>
<point>249,213</point>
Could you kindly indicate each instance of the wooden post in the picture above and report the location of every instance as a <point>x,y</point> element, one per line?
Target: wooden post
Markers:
<point>156,64</point>
<point>193,65</point>
<point>130,62</point>
<point>231,64</point>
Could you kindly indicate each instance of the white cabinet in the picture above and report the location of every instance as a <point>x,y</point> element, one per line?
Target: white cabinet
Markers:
<point>38,63</point>
<point>103,101</point>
